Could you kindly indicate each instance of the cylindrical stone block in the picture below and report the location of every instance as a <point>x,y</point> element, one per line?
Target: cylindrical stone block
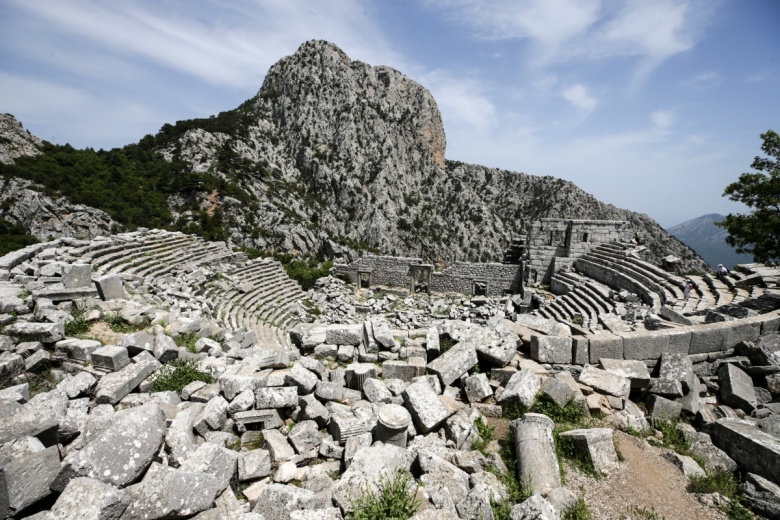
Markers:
<point>392,425</point>
<point>537,464</point>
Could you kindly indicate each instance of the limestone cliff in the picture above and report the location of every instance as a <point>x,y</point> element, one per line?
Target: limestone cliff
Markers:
<point>335,148</point>
<point>15,141</point>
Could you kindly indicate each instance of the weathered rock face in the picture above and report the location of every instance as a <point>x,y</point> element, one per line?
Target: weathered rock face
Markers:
<point>47,217</point>
<point>15,141</point>
<point>335,148</point>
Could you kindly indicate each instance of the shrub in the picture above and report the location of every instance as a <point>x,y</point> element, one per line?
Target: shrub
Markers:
<point>643,513</point>
<point>572,413</point>
<point>178,374</point>
<point>394,500</point>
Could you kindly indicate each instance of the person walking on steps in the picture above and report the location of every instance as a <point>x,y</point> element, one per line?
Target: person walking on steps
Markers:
<point>687,289</point>
<point>721,272</point>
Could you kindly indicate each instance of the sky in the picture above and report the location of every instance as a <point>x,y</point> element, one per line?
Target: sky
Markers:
<point>654,106</point>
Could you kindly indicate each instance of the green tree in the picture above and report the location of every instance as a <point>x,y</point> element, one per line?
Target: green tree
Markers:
<point>758,232</point>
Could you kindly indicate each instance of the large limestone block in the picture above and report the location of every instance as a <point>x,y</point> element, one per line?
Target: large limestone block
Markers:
<point>305,380</point>
<point>110,358</point>
<point>424,406</point>
<point>535,508</point>
<point>660,408</point>
<point>403,370</point>
<point>633,369</point>
<point>30,468</point>
<point>78,385</point>
<point>253,464</point>
<point>368,467</point>
<point>546,326</point>
<point>762,496</point>
<point>498,352</point>
<point>89,499</point>
<point>34,331</point>
<point>678,367</point>
<point>605,346</point>
<point>40,417</point>
<point>454,363</point>
<point>122,452</point>
<point>213,415</point>
<point>338,334</point>
<point>537,463</point>
<point>169,493</point>
<point>645,345</point>
<point>713,337</point>
<point>77,276</point>
<point>551,349</point>
<point>736,388</point>
<point>114,386</point>
<point>110,287</point>
<point>753,450</point>
<point>382,334</point>
<point>214,460</point>
<point>595,444</point>
<point>605,382</point>
<point>276,397</point>
<point>520,389</point>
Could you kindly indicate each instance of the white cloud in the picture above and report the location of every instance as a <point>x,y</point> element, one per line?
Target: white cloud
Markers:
<point>220,43</point>
<point>462,102</point>
<point>580,98</point>
<point>561,30</point>
<point>663,119</point>
<point>704,80</point>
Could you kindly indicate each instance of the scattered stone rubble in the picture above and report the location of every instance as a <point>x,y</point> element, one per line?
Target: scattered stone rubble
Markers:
<point>301,431</point>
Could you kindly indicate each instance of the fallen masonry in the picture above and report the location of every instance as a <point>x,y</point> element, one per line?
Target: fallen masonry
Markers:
<point>223,396</point>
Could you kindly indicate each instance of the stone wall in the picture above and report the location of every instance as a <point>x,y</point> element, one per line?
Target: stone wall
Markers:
<point>460,277</point>
<point>392,271</point>
<point>550,238</point>
<point>703,343</point>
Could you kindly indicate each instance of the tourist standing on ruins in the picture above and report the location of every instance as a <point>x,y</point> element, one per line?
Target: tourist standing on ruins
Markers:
<point>721,273</point>
<point>687,289</point>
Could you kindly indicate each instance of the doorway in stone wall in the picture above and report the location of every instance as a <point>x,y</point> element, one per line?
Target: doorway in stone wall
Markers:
<point>364,279</point>
<point>420,278</point>
<point>480,288</point>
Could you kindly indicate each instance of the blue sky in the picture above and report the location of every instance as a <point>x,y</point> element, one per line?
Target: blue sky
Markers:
<point>653,106</point>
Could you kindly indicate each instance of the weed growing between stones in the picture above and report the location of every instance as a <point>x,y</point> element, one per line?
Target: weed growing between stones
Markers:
<point>77,325</point>
<point>580,511</point>
<point>187,341</point>
<point>177,374</point>
<point>395,499</point>
<point>446,343</point>
<point>565,450</point>
<point>485,432</point>
<point>573,413</point>
<point>121,326</point>
<point>726,484</point>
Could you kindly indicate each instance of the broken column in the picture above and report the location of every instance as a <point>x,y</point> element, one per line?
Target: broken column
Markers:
<point>537,464</point>
<point>392,425</point>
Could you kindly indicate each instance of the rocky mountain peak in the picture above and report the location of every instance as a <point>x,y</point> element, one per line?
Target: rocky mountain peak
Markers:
<point>15,141</point>
<point>372,116</point>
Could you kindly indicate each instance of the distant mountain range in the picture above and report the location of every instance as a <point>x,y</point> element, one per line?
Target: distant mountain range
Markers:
<point>709,240</point>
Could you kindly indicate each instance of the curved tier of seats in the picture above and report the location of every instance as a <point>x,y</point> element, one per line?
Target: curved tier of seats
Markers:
<point>615,266</point>
<point>254,295</point>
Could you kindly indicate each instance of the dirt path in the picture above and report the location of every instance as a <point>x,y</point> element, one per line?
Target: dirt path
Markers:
<point>645,479</point>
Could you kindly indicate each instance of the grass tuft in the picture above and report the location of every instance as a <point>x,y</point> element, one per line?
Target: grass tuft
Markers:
<point>485,432</point>
<point>394,500</point>
<point>77,324</point>
<point>187,341</point>
<point>177,374</point>
<point>580,511</point>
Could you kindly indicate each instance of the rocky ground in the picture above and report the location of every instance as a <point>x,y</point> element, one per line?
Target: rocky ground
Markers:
<point>113,406</point>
